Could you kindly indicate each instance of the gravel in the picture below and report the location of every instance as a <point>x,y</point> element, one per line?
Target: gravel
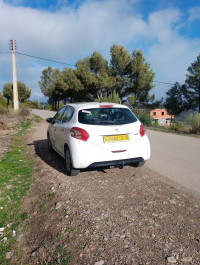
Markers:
<point>128,216</point>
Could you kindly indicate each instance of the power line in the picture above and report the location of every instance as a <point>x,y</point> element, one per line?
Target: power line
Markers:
<point>45,59</point>
<point>165,83</point>
<point>54,61</point>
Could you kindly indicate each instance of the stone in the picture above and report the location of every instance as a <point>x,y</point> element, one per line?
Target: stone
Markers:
<point>186,259</point>
<point>19,237</point>
<point>13,233</point>
<point>171,260</point>
<point>58,205</point>
<point>9,255</point>
<point>100,262</point>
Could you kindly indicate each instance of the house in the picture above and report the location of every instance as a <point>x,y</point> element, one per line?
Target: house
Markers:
<point>161,116</point>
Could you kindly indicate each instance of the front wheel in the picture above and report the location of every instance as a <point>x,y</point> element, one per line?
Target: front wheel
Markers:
<point>68,162</point>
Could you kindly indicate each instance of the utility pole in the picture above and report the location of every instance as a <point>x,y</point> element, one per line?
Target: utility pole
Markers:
<point>15,90</point>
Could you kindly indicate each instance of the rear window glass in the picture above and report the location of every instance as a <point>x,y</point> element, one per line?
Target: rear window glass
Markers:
<point>106,116</point>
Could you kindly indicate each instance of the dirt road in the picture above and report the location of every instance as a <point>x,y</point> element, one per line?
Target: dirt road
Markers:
<point>128,216</point>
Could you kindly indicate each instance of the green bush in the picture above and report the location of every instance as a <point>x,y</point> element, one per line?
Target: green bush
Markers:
<point>29,104</point>
<point>179,126</point>
<point>195,123</point>
<point>144,117</point>
<point>157,125</point>
<point>3,109</point>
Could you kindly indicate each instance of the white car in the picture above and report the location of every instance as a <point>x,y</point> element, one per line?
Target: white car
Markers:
<point>97,135</point>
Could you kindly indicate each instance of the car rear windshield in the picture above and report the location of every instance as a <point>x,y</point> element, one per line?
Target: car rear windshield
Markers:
<point>106,116</point>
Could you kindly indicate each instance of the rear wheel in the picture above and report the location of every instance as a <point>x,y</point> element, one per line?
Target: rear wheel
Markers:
<point>68,162</point>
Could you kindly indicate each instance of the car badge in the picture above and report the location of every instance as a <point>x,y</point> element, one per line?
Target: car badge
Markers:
<point>117,130</point>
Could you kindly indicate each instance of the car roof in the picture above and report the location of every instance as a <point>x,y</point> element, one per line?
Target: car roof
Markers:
<point>82,105</point>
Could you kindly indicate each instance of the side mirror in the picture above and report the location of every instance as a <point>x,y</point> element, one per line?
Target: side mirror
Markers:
<point>49,120</point>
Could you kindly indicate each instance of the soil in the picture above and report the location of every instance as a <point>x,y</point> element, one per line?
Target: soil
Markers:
<point>127,216</point>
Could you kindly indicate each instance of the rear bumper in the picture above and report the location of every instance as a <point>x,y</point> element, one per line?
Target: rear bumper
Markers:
<point>117,163</point>
<point>86,155</point>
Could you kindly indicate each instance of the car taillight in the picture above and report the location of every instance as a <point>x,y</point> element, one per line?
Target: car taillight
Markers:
<point>142,130</point>
<point>79,133</point>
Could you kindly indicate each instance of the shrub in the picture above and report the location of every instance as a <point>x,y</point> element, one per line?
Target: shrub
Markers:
<point>195,123</point>
<point>3,109</point>
<point>157,125</point>
<point>24,112</point>
<point>144,118</point>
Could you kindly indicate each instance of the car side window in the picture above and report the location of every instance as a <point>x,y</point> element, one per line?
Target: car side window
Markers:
<point>57,118</point>
<point>67,114</point>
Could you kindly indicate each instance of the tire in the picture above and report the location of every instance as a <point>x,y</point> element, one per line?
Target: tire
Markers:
<point>68,162</point>
<point>49,143</point>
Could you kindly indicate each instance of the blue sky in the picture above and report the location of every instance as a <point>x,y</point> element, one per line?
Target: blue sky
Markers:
<point>167,32</point>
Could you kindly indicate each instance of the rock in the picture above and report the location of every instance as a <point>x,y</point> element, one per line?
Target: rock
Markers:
<point>171,260</point>
<point>101,262</point>
<point>58,205</point>
<point>9,255</point>
<point>172,201</point>
<point>186,259</point>
<point>13,233</point>
<point>20,237</point>
<point>2,229</point>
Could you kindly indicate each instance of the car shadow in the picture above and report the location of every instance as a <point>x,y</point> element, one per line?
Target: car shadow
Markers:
<point>51,158</point>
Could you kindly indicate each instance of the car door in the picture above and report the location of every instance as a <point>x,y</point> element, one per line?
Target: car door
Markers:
<point>54,128</point>
<point>63,129</point>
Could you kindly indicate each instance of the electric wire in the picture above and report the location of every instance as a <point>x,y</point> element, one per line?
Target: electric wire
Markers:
<point>63,63</point>
<point>45,59</point>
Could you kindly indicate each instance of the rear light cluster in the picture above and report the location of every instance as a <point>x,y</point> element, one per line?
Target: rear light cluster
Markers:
<point>79,133</point>
<point>142,130</point>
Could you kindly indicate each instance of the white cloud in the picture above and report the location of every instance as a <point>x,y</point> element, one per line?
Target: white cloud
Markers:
<point>194,13</point>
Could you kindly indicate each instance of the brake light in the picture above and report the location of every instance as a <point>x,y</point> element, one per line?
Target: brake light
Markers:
<point>79,133</point>
<point>106,106</point>
<point>142,130</point>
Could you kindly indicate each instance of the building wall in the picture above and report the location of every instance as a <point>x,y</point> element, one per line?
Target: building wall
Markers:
<point>161,116</point>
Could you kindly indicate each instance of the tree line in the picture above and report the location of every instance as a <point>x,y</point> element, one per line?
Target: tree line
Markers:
<point>186,96</point>
<point>126,76</point>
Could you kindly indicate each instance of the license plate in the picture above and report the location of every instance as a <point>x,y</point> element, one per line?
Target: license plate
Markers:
<point>115,138</point>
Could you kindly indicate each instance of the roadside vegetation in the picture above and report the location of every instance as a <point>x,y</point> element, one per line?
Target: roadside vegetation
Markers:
<point>187,122</point>
<point>16,177</point>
